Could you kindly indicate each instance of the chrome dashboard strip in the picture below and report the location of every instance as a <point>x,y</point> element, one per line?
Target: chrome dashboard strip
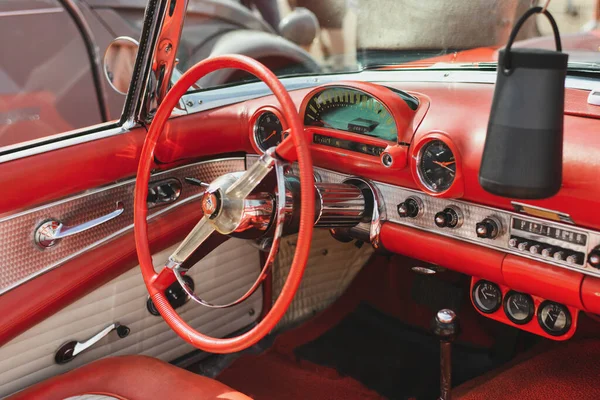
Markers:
<point>472,213</point>
<point>21,259</point>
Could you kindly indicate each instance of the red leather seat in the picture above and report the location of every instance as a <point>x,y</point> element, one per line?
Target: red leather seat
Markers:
<point>131,378</point>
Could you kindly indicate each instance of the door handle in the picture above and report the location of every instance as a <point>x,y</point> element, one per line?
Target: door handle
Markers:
<point>50,232</point>
<point>70,350</point>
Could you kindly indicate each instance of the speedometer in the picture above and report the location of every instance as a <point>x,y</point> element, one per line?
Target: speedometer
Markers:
<point>350,110</point>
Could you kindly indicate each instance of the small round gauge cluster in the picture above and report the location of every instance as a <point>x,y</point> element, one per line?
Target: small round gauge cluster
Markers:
<point>436,166</point>
<point>554,318</point>
<point>268,130</point>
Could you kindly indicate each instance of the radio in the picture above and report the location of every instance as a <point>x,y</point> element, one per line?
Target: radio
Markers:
<point>548,241</point>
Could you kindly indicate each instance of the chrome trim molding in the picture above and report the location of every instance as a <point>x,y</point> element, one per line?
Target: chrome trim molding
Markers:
<point>393,195</point>
<point>21,259</point>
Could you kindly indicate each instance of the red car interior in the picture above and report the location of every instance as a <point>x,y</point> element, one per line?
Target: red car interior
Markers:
<point>522,275</point>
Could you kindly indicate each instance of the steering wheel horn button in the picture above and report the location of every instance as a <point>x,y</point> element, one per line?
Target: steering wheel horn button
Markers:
<point>210,204</point>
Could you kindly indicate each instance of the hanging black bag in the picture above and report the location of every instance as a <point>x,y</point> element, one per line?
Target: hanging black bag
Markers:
<point>522,157</point>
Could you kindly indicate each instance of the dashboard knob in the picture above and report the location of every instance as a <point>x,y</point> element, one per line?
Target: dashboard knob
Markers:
<point>524,246</point>
<point>489,228</point>
<point>535,249</point>
<point>513,242</point>
<point>574,259</point>
<point>548,251</point>
<point>594,258</point>
<point>450,217</point>
<point>409,208</point>
<point>560,255</point>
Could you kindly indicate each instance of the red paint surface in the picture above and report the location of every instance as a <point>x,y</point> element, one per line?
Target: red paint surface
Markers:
<point>467,258</point>
<point>590,294</point>
<point>547,281</point>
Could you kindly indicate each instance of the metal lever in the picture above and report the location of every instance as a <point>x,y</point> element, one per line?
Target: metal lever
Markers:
<point>70,350</point>
<point>50,232</point>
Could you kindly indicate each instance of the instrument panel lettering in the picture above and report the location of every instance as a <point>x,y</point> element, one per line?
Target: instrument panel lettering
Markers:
<point>564,235</point>
<point>348,145</point>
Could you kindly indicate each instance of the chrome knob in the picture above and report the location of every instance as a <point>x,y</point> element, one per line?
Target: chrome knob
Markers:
<point>559,255</point>
<point>513,242</point>
<point>489,228</point>
<point>535,249</point>
<point>548,251</point>
<point>410,208</point>
<point>594,258</point>
<point>573,259</point>
<point>450,217</point>
<point>524,246</point>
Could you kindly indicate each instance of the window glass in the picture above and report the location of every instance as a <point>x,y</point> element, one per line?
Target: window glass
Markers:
<point>351,35</point>
<point>45,82</point>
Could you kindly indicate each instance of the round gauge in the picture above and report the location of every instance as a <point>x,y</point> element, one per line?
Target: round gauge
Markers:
<point>487,296</point>
<point>436,166</point>
<point>519,307</point>
<point>268,131</point>
<point>554,318</point>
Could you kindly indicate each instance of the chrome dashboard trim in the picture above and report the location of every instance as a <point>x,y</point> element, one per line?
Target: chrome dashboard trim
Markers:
<point>472,213</point>
<point>21,259</point>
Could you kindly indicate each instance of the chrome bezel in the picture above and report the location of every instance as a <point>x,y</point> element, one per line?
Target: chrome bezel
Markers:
<point>418,166</point>
<point>257,117</point>
<point>568,318</point>
<point>477,301</point>
<point>511,318</point>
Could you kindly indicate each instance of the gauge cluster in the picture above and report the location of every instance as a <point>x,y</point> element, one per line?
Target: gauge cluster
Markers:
<point>533,314</point>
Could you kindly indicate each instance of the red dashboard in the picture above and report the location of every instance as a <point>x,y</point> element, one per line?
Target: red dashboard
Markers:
<point>449,118</point>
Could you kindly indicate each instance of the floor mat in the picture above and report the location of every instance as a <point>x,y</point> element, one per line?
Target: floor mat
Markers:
<point>273,375</point>
<point>396,360</point>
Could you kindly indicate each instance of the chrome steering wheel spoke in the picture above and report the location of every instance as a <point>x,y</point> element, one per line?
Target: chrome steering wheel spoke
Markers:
<point>192,241</point>
<point>243,186</point>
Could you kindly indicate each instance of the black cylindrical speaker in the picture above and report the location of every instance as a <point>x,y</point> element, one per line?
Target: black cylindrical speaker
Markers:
<point>522,157</point>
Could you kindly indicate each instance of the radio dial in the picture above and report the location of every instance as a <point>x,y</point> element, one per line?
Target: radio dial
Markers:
<point>489,228</point>
<point>410,208</point>
<point>594,258</point>
<point>450,217</point>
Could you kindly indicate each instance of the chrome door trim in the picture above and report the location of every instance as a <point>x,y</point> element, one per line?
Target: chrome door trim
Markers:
<point>39,146</point>
<point>24,248</point>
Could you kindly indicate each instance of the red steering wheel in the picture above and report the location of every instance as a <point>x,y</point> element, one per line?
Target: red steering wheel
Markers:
<point>236,191</point>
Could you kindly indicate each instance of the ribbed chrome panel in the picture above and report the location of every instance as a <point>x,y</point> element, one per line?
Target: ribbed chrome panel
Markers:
<point>21,259</point>
<point>339,205</point>
<point>472,214</point>
<point>224,275</point>
<point>331,267</point>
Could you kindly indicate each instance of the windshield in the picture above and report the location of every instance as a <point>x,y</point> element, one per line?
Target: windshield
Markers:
<point>303,37</point>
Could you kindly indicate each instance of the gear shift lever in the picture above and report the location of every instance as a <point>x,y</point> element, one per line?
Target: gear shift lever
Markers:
<point>446,327</point>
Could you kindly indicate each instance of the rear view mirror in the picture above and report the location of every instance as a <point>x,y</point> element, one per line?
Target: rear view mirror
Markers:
<point>300,26</point>
<point>119,60</point>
